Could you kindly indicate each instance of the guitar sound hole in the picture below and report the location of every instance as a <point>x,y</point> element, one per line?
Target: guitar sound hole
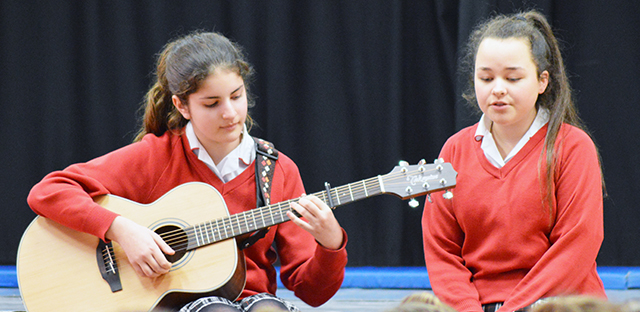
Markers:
<point>176,238</point>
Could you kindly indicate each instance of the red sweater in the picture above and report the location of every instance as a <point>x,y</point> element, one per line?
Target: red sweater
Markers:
<point>144,171</point>
<point>495,241</point>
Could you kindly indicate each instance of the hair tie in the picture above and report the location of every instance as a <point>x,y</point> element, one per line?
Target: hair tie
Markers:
<point>520,18</point>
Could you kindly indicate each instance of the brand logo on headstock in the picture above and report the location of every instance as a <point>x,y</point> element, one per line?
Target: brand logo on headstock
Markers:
<point>420,179</point>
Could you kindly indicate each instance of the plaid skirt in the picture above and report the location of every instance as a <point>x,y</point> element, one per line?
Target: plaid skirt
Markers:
<point>242,305</point>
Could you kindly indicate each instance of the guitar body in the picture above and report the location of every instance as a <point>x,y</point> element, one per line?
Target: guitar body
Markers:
<point>58,271</point>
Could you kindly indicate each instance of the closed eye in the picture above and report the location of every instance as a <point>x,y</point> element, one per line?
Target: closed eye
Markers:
<point>237,93</point>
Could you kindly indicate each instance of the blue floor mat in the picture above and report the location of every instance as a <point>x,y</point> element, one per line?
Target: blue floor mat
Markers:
<point>405,277</point>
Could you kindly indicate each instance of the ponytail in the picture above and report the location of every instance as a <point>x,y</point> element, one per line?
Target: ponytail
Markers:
<point>159,113</point>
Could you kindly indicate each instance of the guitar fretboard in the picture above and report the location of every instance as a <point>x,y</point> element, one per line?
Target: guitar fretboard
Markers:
<point>404,181</point>
<point>249,221</point>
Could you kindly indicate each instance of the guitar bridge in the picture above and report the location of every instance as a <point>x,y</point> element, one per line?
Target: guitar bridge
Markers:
<point>108,266</point>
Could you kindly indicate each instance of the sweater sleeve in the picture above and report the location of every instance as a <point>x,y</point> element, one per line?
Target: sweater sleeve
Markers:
<point>66,196</point>
<point>578,231</point>
<point>443,239</point>
<point>311,271</point>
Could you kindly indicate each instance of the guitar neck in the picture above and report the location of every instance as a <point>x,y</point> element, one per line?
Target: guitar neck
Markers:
<point>249,221</point>
<point>404,181</point>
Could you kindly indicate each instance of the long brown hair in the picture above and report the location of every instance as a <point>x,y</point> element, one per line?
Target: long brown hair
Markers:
<point>181,67</point>
<point>545,52</point>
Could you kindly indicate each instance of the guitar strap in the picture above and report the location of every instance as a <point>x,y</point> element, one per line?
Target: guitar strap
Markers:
<point>266,156</point>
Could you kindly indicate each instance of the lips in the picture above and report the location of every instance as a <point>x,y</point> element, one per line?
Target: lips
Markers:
<point>230,127</point>
<point>499,105</point>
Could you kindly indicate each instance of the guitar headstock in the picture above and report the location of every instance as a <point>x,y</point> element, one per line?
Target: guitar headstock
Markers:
<point>408,181</point>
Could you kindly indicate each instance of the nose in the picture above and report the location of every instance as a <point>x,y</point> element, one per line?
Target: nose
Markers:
<point>499,88</point>
<point>228,110</point>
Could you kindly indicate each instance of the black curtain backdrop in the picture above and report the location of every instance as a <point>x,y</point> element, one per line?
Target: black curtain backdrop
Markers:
<point>345,88</point>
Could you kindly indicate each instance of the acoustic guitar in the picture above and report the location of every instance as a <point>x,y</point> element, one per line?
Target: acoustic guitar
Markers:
<point>60,269</point>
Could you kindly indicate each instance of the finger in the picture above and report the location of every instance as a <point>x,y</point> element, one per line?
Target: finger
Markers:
<point>319,208</point>
<point>139,270</point>
<point>301,210</point>
<point>161,264</point>
<point>163,245</point>
<point>307,208</point>
<point>321,212</point>
<point>320,204</point>
<point>151,266</point>
<point>146,270</point>
<point>299,222</point>
<point>158,260</point>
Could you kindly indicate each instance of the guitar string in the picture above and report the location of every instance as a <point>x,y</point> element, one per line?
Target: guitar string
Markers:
<point>238,225</point>
<point>183,244</point>
<point>179,238</point>
<point>276,212</point>
<point>340,193</point>
<point>179,234</point>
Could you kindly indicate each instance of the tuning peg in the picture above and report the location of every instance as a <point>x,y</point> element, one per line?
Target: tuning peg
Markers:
<point>448,194</point>
<point>404,166</point>
<point>413,203</point>
<point>422,162</point>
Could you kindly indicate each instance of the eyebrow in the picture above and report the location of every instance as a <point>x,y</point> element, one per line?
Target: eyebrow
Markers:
<point>512,68</point>
<point>216,97</point>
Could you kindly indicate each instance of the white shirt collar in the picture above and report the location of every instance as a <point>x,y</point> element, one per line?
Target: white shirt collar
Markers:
<point>489,145</point>
<point>231,165</point>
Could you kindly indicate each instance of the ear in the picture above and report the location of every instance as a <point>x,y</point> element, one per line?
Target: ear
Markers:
<point>181,107</point>
<point>543,82</point>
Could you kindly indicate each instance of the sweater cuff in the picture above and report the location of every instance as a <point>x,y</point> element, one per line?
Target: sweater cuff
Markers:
<point>99,222</point>
<point>323,252</point>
